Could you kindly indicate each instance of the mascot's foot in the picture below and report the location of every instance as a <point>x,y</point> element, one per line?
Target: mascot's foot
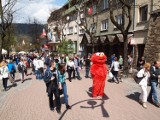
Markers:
<point>94,95</point>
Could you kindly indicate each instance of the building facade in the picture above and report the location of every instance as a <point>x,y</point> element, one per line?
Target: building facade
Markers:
<point>89,22</point>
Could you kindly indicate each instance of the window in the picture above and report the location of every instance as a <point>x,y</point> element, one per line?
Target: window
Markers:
<point>143,13</point>
<point>105,4</point>
<point>104,25</point>
<point>70,30</point>
<point>93,27</point>
<point>119,19</point>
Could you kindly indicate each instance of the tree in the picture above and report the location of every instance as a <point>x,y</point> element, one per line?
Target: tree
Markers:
<point>6,13</point>
<point>126,12</point>
<point>66,47</point>
<point>87,9</point>
<point>9,40</point>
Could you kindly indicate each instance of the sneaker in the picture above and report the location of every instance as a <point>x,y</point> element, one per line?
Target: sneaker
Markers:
<point>80,78</point>
<point>58,111</point>
<point>52,109</point>
<point>68,107</point>
<point>157,105</point>
<point>144,105</point>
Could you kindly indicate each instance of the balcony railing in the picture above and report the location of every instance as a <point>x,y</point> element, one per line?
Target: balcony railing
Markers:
<point>73,8</point>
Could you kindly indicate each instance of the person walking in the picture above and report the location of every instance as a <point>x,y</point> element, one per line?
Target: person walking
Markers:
<point>53,86</point>
<point>70,68</point>
<point>12,71</point>
<point>88,65</point>
<point>153,95</point>
<point>77,66</point>
<point>22,69</point>
<point>144,74</point>
<point>63,86</point>
<point>115,69</point>
<point>4,74</point>
<point>120,62</point>
<point>130,62</point>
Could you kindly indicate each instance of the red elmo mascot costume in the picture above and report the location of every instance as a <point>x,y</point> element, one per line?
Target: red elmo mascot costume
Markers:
<point>99,73</point>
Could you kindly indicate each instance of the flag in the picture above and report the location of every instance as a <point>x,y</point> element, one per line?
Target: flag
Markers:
<point>43,33</point>
<point>90,10</point>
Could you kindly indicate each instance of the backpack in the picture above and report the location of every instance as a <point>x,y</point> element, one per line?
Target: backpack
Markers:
<point>19,67</point>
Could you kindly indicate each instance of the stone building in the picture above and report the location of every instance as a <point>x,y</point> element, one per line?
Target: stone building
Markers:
<point>152,47</point>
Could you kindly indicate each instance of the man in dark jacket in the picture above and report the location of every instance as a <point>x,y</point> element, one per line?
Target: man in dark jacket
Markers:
<point>154,73</point>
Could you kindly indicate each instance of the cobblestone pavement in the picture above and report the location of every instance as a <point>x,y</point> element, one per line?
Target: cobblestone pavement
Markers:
<point>29,101</point>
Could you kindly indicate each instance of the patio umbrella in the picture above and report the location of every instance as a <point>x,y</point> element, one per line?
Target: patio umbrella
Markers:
<point>4,51</point>
<point>22,52</point>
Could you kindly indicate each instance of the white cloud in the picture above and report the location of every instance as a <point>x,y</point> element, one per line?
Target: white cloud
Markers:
<point>30,9</point>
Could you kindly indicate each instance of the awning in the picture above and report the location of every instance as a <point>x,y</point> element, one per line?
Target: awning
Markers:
<point>53,43</point>
<point>97,40</point>
<point>120,37</point>
<point>111,38</point>
<point>103,38</point>
<point>84,40</point>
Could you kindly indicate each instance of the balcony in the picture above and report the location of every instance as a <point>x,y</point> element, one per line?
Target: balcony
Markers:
<point>73,8</point>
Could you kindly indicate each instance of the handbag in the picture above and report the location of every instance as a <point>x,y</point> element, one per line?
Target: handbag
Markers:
<point>138,79</point>
<point>110,75</point>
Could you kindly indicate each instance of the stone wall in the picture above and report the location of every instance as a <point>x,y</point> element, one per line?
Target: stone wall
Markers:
<point>152,47</point>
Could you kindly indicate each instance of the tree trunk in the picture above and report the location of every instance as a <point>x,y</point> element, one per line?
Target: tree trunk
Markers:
<point>93,48</point>
<point>1,45</point>
<point>125,69</point>
<point>135,57</point>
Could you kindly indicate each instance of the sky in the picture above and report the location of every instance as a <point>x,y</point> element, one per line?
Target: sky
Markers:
<point>27,10</point>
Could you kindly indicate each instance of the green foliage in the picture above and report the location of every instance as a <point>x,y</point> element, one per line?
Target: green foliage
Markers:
<point>66,47</point>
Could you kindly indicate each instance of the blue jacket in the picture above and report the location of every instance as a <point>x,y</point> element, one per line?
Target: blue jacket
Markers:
<point>48,74</point>
<point>11,67</point>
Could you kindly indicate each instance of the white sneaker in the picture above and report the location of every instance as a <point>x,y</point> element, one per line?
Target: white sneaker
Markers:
<point>144,105</point>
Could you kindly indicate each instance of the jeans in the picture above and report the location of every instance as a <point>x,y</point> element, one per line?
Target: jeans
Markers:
<point>5,80</point>
<point>87,71</point>
<point>153,92</point>
<point>64,86</point>
<point>77,71</point>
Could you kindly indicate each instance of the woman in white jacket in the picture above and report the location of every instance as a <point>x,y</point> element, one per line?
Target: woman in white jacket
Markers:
<point>4,74</point>
<point>143,83</point>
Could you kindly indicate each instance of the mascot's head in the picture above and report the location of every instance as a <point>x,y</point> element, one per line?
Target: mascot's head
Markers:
<point>98,58</point>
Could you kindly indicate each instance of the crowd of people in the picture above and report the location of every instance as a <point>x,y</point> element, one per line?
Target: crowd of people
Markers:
<point>52,70</point>
<point>149,75</point>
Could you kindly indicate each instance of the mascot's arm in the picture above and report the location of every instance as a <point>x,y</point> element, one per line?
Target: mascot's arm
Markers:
<point>93,70</point>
